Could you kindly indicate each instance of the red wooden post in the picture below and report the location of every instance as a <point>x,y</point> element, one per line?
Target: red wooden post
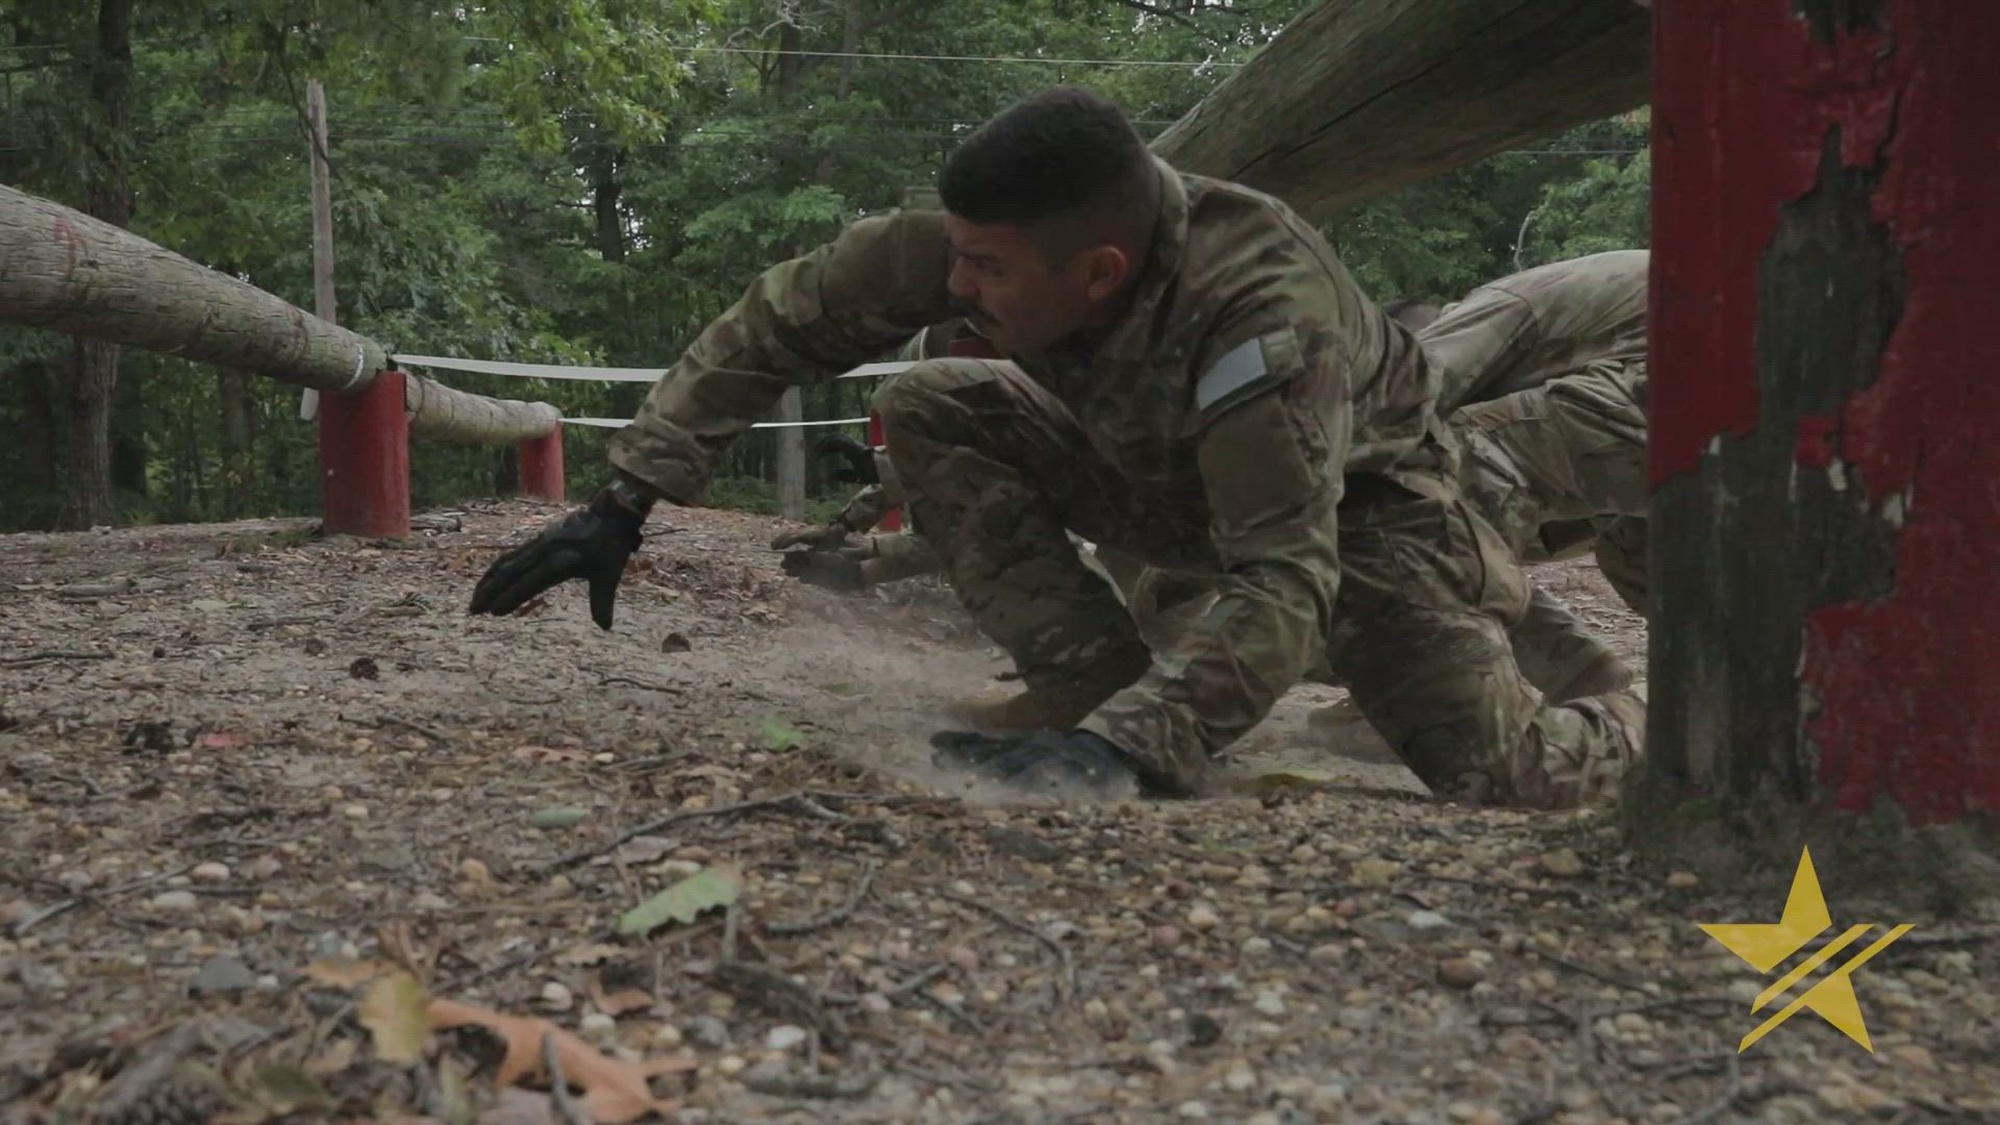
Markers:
<point>1822,432</point>
<point>541,466</point>
<point>364,461</point>
<point>893,519</point>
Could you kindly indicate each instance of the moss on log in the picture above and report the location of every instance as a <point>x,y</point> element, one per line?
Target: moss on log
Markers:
<point>1359,97</point>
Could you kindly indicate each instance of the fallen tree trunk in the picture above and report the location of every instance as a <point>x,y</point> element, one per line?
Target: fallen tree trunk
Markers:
<point>63,270</point>
<point>1359,97</point>
<point>439,413</point>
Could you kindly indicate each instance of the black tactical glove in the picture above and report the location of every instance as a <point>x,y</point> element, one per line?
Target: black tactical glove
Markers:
<point>833,570</point>
<point>1043,761</point>
<point>591,543</point>
<point>859,458</point>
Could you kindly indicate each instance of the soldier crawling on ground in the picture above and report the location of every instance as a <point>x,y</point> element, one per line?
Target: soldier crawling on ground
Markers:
<point>1543,373</point>
<point>1193,379</point>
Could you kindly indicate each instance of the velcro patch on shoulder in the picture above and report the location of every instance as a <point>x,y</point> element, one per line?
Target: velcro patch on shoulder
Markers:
<point>1241,371</point>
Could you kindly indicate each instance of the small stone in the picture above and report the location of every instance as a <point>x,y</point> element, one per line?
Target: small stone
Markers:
<point>964,889</point>
<point>222,974</point>
<point>1203,1030</point>
<point>1240,1078</point>
<point>428,902</point>
<point>707,1033</point>
<point>1193,1111</point>
<point>1096,1009</point>
<point>1269,1004</point>
<point>210,872</point>
<point>263,867</point>
<point>1332,953</point>
<point>730,1065</point>
<point>784,1037</point>
<point>354,812</point>
<point>1427,920</point>
<point>1562,863</point>
<point>13,912</point>
<point>1375,871</point>
<point>667,1037</point>
<point>76,882</point>
<point>964,957</point>
<point>877,1004</point>
<point>1256,946</point>
<point>598,1026</point>
<point>175,900</point>
<point>1203,918</point>
<point>1914,1055</point>
<point>475,871</point>
<point>1682,880</point>
<point>557,996</point>
<point>1460,972</point>
<point>1265,1117</point>
<point>1166,937</point>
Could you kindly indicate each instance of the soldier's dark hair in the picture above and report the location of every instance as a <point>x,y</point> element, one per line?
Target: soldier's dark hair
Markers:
<point>1065,163</point>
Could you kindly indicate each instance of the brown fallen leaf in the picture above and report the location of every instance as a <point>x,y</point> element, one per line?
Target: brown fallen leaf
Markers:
<point>615,1091</point>
<point>394,1012</point>
<point>618,1003</point>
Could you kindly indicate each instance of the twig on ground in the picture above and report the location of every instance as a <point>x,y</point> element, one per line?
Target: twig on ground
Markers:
<point>53,654</point>
<point>782,996</point>
<point>647,685</point>
<point>1066,983</point>
<point>586,854</point>
<point>832,917</point>
<point>847,1086</point>
<point>138,1083</point>
<point>406,724</point>
<point>916,982</point>
<point>1611,979</point>
<point>54,909</point>
<point>566,1105</point>
<point>732,917</point>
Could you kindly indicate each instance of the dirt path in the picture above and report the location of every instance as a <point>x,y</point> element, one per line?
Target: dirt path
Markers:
<point>232,755</point>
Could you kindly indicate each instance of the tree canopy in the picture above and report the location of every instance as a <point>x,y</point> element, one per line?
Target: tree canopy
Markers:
<point>591,181</point>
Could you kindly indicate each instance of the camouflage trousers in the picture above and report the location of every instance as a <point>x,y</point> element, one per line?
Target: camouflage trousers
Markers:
<point>998,472</point>
<point>1561,468</point>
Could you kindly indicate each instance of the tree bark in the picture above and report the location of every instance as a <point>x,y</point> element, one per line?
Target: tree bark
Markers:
<point>1824,635</point>
<point>1359,97</point>
<point>791,458</point>
<point>87,499</point>
<point>604,201</point>
<point>439,413</point>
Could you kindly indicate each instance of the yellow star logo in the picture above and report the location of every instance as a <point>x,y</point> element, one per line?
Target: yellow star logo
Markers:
<point>1766,945</point>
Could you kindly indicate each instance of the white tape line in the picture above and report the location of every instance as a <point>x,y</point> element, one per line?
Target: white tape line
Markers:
<point>537,370</point>
<point>360,360</point>
<point>615,423</point>
<point>595,374</point>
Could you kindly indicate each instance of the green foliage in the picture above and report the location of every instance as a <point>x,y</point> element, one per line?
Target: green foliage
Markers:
<point>591,181</point>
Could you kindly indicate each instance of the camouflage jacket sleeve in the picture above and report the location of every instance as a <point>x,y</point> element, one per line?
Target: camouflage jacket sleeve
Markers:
<point>801,321</point>
<point>1276,417</point>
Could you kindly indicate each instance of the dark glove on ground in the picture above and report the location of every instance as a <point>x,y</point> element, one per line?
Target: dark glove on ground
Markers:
<point>1039,762</point>
<point>591,543</point>
<point>860,459</point>
<point>834,570</point>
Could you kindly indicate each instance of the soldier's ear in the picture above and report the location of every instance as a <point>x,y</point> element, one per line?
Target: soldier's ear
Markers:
<point>1106,269</point>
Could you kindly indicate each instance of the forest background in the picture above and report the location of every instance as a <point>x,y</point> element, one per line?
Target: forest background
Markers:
<point>586,181</point>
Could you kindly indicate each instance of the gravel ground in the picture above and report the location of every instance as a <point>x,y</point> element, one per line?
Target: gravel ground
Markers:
<point>289,834</point>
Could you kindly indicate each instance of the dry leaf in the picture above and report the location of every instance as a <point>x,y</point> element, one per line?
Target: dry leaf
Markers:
<point>619,1002</point>
<point>394,1012</point>
<point>716,885</point>
<point>344,972</point>
<point>615,1091</point>
<point>590,953</point>
<point>338,1056</point>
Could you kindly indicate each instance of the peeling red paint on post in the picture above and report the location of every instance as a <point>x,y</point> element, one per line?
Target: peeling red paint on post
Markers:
<point>364,461</point>
<point>1907,687</point>
<point>540,462</point>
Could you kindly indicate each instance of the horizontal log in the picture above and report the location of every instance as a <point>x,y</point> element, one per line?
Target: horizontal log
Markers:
<point>439,413</point>
<point>63,270</point>
<point>1357,98</point>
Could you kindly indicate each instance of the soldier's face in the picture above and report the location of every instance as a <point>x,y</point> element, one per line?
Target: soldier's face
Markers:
<point>1016,297</point>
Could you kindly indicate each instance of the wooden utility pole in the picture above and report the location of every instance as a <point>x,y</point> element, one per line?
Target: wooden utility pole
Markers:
<point>791,458</point>
<point>322,211</point>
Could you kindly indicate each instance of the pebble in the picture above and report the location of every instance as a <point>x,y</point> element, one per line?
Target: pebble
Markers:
<point>222,973</point>
<point>355,812</point>
<point>730,1065</point>
<point>1460,972</point>
<point>667,1037</point>
<point>1166,937</point>
<point>1240,1078</point>
<point>75,881</point>
<point>263,867</point>
<point>1562,863</point>
<point>878,1004</point>
<point>557,996</point>
<point>963,956</point>
<point>1681,880</point>
<point>598,1026</point>
<point>1256,946</point>
<point>784,1037</point>
<point>175,900</point>
<point>707,1033</point>
<point>1428,920</point>
<point>426,901</point>
<point>1193,1111</point>
<point>1204,918</point>
<point>210,872</point>
<point>1332,953</point>
<point>1269,1004</point>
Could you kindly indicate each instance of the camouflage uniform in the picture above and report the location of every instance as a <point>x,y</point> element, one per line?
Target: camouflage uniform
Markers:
<point>1253,415</point>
